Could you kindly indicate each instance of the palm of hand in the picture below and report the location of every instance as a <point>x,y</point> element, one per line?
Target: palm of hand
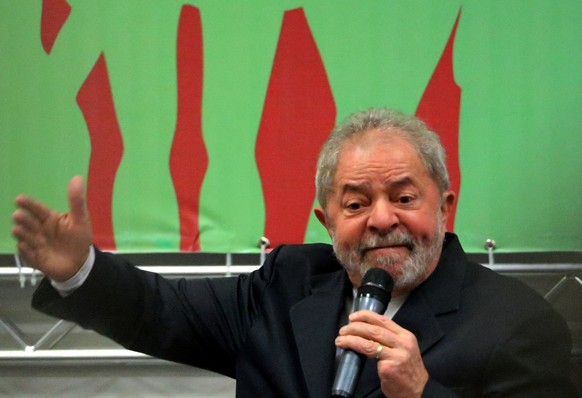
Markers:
<point>55,243</point>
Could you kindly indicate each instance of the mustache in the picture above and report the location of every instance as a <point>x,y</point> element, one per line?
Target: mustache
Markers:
<point>389,240</point>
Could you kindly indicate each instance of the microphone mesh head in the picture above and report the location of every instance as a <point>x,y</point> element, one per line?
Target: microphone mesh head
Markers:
<point>378,283</point>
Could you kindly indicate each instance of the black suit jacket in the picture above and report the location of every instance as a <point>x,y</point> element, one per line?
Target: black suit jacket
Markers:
<point>480,334</point>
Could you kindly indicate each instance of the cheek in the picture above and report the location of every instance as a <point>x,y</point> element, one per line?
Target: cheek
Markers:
<point>348,233</point>
<point>421,225</point>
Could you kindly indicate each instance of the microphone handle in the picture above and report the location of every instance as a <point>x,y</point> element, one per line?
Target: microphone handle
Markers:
<point>351,363</point>
<point>370,303</point>
<point>347,377</point>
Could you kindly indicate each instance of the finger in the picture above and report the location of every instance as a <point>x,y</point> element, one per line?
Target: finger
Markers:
<point>21,234</point>
<point>26,253</point>
<point>34,207</point>
<point>371,323</point>
<point>359,344</point>
<point>363,329</point>
<point>32,240</point>
<point>25,220</point>
<point>375,319</point>
<point>77,203</point>
<point>370,332</point>
<point>379,350</point>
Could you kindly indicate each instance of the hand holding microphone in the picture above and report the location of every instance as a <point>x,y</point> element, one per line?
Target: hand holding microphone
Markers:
<point>370,335</point>
<point>373,295</point>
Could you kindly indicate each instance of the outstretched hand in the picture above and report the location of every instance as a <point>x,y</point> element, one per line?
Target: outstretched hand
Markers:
<point>55,243</point>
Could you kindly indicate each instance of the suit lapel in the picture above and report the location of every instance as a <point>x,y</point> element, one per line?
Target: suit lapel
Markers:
<point>317,318</point>
<point>415,316</point>
<point>316,321</point>
<point>438,295</point>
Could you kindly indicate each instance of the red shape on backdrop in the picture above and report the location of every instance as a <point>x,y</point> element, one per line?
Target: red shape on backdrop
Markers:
<point>440,107</point>
<point>95,100</point>
<point>53,17</point>
<point>188,158</point>
<point>298,114</point>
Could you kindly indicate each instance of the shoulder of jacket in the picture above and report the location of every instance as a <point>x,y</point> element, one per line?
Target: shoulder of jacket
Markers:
<point>315,257</point>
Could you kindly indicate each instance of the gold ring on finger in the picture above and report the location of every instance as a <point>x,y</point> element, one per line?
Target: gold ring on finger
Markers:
<point>379,350</point>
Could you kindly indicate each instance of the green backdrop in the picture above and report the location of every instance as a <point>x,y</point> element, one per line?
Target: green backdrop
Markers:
<point>518,64</point>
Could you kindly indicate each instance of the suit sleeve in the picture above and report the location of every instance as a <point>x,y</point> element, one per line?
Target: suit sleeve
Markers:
<point>199,322</point>
<point>534,361</point>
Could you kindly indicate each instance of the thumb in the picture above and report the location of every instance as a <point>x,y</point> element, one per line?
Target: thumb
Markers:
<point>77,202</point>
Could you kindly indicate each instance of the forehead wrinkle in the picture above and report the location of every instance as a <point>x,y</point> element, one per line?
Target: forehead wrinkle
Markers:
<point>356,187</point>
<point>359,168</point>
<point>401,182</point>
<point>398,181</point>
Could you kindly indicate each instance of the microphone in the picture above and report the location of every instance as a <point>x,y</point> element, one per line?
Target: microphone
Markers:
<point>373,295</point>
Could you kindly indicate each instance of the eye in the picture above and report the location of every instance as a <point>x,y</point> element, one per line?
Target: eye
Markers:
<point>353,206</point>
<point>405,199</point>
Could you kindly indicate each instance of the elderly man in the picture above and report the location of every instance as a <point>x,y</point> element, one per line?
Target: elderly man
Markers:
<point>452,329</point>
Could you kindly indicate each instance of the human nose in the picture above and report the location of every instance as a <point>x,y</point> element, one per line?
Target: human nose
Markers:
<point>383,217</point>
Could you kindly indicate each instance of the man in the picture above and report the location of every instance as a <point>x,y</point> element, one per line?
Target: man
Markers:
<point>452,328</point>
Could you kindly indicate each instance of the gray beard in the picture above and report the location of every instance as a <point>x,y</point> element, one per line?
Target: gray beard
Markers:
<point>414,266</point>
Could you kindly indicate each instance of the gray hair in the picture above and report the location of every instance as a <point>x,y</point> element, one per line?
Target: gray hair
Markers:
<point>394,124</point>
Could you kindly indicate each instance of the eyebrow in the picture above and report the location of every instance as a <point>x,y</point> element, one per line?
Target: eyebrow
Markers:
<point>366,186</point>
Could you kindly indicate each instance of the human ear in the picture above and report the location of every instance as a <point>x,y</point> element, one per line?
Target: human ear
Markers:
<point>320,214</point>
<point>447,203</point>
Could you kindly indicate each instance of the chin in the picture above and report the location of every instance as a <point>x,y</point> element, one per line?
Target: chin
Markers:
<point>406,274</point>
